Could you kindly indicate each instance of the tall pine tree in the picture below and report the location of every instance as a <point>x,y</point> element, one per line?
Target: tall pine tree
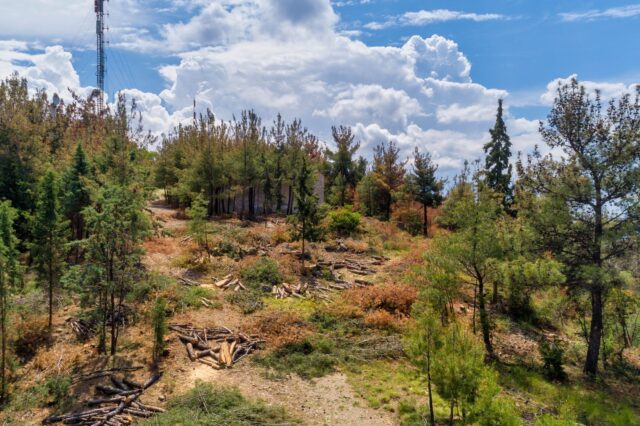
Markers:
<point>8,277</point>
<point>49,237</point>
<point>497,167</point>
<point>426,188</point>
<point>307,217</point>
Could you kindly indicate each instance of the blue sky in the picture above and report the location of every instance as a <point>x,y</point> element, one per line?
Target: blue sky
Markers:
<point>423,73</point>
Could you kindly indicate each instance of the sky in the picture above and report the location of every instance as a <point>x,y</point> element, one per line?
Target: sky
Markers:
<point>425,74</point>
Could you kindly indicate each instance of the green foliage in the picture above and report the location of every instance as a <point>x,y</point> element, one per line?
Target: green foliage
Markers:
<point>409,220</point>
<point>77,195</point>
<point>552,355</point>
<point>198,216</point>
<point>458,368</point>
<point>423,184</point>
<point>371,194</point>
<point>308,359</point>
<point>210,405</point>
<point>344,222</point>
<point>389,172</point>
<point>159,327</point>
<point>306,221</point>
<point>522,277</point>
<point>498,170</point>
<point>191,296</point>
<point>343,170</point>
<point>50,231</point>
<point>249,301</point>
<point>262,275</point>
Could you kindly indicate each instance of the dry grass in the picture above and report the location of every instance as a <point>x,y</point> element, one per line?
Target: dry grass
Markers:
<point>280,328</point>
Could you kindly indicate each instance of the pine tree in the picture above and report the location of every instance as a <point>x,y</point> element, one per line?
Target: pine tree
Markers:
<point>343,173</point>
<point>49,237</point>
<point>425,187</point>
<point>197,225</point>
<point>76,194</point>
<point>159,325</point>
<point>307,218</point>
<point>497,167</point>
<point>8,277</point>
<point>389,171</point>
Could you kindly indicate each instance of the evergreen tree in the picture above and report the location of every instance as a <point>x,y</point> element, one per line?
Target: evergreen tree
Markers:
<point>584,207</point>
<point>159,325</point>
<point>198,220</point>
<point>342,168</point>
<point>48,248</point>
<point>389,171</point>
<point>8,277</point>
<point>497,167</point>
<point>117,226</point>
<point>76,193</point>
<point>307,217</point>
<point>424,185</point>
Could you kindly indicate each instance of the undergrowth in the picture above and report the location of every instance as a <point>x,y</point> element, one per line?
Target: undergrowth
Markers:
<point>209,405</point>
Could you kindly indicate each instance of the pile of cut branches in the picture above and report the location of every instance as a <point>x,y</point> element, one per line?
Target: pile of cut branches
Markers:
<point>217,347</point>
<point>119,404</point>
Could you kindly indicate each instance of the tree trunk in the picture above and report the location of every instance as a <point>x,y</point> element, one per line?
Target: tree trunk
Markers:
<point>431,414</point>
<point>595,333</point>
<point>451,413</point>
<point>484,319</point>
<point>3,320</point>
<point>114,324</point>
<point>425,225</point>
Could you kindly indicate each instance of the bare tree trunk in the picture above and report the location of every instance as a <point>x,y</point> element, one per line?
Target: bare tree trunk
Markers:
<point>484,319</point>
<point>431,414</point>
<point>114,324</point>
<point>425,229</point>
<point>595,333</point>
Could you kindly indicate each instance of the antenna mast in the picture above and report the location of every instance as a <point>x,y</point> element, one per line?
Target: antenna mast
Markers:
<point>99,9</point>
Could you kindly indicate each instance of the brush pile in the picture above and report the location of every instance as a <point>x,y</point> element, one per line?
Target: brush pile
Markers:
<point>118,405</point>
<point>216,347</point>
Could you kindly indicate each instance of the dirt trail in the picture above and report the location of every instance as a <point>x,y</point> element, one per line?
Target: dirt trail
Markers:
<point>329,400</point>
<point>325,401</point>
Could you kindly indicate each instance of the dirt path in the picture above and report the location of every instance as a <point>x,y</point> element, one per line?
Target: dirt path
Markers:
<point>329,400</point>
<point>325,401</point>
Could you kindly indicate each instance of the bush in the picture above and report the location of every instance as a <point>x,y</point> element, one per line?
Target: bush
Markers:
<point>409,220</point>
<point>31,334</point>
<point>393,298</point>
<point>248,301</point>
<point>210,405</point>
<point>192,296</point>
<point>262,274</point>
<point>553,356</point>
<point>159,326</point>
<point>308,358</point>
<point>344,222</point>
<point>380,319</point>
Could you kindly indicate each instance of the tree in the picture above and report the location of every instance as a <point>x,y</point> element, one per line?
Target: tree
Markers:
<point>8,277</point>
<point>497,167</point>
<point>307,216</point>
<point>117,226</point>
<point>584,206</point>
<point>342,169</point>
<point>426,188</point>
<point>389,170</point>
<point>76,193</point>
<point>458,369</point>
<point>424,340</point>
<point>48,248</point>
<point>473,249</point>
<point>197,225</point>
<point>159,326</point>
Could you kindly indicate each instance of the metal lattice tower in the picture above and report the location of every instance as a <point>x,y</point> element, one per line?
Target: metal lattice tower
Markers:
<point>99,9</point>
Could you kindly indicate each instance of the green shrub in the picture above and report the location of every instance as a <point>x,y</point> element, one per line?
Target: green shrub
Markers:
<point>209,405</point>
<point>262,274</point>
<point>192,296</point>
<point>142,291</point>
<point>308,358</point>
<point>248,300</point>
<point>553,356</point>
<point>159,326</point>
<point>344,222</point>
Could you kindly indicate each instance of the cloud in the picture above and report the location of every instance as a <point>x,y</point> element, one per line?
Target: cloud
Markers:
<point>607,90</point>
<point>49,69</point>
<point>425,17</point>
<point>595,14</point>
<point>291,58</point>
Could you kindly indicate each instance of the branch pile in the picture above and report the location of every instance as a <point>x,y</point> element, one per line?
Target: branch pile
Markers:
<point>216,347</point>
<point>229,282</point>
<point>285,290</point>
<point>119,404</point>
